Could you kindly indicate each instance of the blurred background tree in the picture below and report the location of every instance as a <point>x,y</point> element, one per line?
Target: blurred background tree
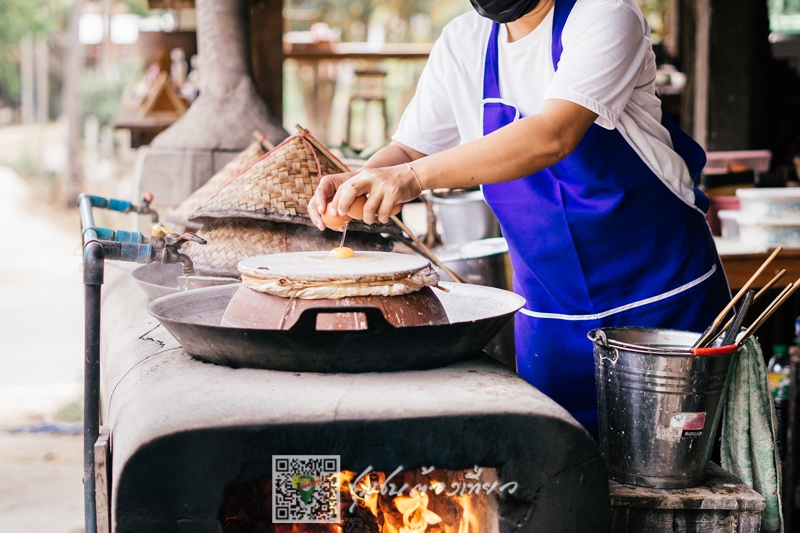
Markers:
<point>21,19</point>
<point>393,20</point>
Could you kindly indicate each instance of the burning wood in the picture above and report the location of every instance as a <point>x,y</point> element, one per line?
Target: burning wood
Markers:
<point>409,502</point>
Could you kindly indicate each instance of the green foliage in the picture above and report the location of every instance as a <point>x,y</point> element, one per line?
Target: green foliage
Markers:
<point>137,7</point>
<point>354,16</point>
<point>20,18</point>
<point>71,411</point>
<point>101,96</point>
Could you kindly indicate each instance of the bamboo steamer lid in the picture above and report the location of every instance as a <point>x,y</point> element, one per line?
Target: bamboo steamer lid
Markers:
<point>235,167</point>
<point>278,187</point>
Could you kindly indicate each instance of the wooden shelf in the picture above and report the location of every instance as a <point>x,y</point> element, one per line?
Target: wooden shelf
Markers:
<point>739,268</point>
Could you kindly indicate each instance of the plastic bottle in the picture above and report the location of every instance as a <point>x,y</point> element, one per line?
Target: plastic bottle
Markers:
<point>779,384</point>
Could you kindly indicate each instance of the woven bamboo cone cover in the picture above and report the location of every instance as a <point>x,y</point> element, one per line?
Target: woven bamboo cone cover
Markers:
<point>236,166</point>
<point>232,239</point>
<point>277,187</point>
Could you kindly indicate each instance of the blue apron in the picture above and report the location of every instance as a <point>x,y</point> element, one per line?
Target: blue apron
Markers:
<point>598,240</point>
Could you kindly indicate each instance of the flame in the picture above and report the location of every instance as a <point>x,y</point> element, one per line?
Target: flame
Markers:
<point>416,515</point>
<point>413,511</point>
<point>466,516</point>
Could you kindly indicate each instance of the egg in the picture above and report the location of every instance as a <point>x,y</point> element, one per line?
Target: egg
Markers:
<point>332,219</point>
<point>357,208</point>
<point>342,252</point>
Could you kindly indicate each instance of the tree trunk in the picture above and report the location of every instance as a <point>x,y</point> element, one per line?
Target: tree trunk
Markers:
<point>73,67</point>
<point>26,77</point>
<point>42,81</point>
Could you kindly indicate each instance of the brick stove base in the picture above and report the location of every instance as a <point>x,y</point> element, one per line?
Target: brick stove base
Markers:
<point>182,430</point>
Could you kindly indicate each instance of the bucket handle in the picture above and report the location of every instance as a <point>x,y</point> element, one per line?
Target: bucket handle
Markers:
<point>598,336</point>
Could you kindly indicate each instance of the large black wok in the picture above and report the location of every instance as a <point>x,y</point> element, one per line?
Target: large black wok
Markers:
<point>476,314</point>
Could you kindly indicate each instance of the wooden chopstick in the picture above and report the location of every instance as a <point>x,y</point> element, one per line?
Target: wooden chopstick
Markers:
<point>771,308</point>
<point>455,276</point>
<point>422,249</point>
<point>758,295</point>
<point>427,252</point>
<point>721,316</point>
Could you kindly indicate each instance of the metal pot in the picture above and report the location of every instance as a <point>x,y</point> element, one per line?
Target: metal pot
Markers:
<point>465,217</point>
<point>158,279</point>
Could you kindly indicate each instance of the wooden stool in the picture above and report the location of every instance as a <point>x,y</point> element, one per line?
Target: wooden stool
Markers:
<point>723,504</point>
<point>369,86</point>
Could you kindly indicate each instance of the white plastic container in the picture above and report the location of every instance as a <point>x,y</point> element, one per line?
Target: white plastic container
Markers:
<point>769,231</point>
<point>775,202</point>
<point>729,223</point>
<point>737,161</point>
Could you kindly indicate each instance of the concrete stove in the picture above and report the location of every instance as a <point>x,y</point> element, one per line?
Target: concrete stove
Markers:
<point>183,430</point>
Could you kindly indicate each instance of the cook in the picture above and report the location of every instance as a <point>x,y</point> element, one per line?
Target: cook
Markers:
<point>550,105</point>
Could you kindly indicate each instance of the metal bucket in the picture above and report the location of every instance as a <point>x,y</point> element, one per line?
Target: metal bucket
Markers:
<point>658,406</point>
<point>465,217</point>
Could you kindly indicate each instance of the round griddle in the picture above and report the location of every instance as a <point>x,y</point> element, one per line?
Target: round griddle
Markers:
<point>476,314</point>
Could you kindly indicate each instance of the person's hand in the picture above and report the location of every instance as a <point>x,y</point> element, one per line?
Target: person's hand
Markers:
<point>384,187</point>
<point>325,192</point>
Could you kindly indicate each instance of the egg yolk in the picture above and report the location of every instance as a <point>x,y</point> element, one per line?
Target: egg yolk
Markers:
<point>342,253</point>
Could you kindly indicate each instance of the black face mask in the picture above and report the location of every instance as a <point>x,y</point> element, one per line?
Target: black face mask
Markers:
<point>503,11</point>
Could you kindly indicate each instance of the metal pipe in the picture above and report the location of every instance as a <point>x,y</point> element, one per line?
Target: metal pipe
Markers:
<point>87,219</point>
<point>93,272</point>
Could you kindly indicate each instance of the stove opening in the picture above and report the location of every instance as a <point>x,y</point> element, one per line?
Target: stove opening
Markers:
<point>417,501</point>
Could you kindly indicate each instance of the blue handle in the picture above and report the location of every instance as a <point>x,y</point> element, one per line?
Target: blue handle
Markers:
<point>113,204</point>
<point>106,234</point>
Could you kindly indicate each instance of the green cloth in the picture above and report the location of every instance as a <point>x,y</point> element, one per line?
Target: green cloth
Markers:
<point>749,436</point>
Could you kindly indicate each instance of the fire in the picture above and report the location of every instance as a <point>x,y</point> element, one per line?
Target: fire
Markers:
<point>402,502</point>
<point>416,515</point>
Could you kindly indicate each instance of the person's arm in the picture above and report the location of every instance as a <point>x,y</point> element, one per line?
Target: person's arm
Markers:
<point>517,150</point>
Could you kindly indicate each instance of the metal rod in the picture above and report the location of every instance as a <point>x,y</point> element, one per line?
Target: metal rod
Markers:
<point>730,336</point>
<point>93,271</point>
<point>87,220</point>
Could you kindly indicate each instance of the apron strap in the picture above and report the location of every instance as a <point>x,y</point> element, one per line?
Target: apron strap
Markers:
<point>491,74</point>
<point>561,12</point>
<point>689,150</point>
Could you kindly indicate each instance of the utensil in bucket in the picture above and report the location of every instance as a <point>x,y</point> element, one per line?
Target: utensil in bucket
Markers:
<point>659,403</point>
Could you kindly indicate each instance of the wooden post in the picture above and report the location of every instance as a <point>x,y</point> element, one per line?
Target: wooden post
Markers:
<point>687,22</point>
<point>739,63</point>
<point>26,77</point>
<point>73,66</point>
<point>42,81</point>
<point>266,38</point>
<point>701,71</point>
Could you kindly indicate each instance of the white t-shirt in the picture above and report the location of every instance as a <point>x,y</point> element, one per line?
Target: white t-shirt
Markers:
<point>607,66</point>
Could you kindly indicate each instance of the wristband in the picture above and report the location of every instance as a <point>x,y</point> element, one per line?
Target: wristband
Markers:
<point>415,176</point>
